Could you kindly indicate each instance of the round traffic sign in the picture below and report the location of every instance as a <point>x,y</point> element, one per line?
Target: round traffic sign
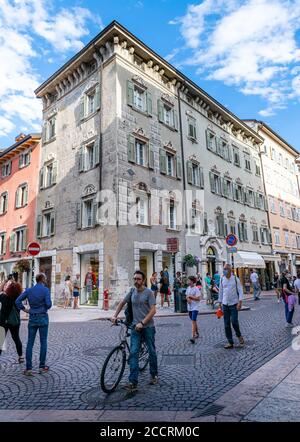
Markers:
<point>231,239</point>
<point>34,248</point>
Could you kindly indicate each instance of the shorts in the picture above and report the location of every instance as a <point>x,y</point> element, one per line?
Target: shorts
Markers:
<point>75,294</point>
<point>193,315</point>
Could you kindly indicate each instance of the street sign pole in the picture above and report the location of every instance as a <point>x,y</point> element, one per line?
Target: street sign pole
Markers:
<point>32,272</point>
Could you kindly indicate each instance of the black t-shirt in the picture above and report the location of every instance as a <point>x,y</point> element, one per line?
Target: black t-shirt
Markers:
<point>283,281</point>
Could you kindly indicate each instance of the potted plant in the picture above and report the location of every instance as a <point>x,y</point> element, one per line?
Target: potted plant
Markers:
<point>21,266</point>
<point>190,260</point>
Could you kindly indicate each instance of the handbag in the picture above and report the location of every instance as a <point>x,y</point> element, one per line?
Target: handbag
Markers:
<point>128,311</point>
<point>13,318</point>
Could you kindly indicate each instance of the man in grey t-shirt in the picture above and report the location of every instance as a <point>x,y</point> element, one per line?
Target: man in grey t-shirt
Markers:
<point>143,309</point>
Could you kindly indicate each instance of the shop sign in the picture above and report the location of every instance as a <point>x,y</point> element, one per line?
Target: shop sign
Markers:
<point>172,245</point>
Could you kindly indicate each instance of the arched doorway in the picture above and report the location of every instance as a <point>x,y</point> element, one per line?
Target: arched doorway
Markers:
<point>211,261</point>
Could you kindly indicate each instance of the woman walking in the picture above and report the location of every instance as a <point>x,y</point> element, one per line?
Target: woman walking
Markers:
<point>154,284</point>
<point>10,315</point>
<point>193,296</point>
<point>164,289</point>
<point>68,289</point>
<point>76,290</point>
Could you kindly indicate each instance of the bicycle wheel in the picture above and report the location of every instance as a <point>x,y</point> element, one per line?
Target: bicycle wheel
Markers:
<point>143,357</point>
<point>113,369</point>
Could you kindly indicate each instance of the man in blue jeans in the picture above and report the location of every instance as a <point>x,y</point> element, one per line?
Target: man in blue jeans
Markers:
<point>231,296</point>
<point>143,309</point>
<point>39,303</point>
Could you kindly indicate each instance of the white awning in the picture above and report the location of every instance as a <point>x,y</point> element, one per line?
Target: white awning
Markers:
<point>249,259</point>
<point>272,258</point>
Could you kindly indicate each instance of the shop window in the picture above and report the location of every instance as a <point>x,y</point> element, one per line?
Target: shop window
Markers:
<point>89,275</point>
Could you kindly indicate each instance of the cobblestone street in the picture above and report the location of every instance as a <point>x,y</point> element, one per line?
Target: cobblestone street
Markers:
<point>191,377</point>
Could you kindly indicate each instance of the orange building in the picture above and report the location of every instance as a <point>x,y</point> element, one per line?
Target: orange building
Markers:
<point>19,171</point>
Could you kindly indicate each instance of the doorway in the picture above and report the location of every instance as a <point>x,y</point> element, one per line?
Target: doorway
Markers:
<point>211,261</point>
<point>147,265</point>
<point>46,267</point>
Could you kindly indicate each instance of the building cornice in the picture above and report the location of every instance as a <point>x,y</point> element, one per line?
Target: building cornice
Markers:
<point>24,143</point>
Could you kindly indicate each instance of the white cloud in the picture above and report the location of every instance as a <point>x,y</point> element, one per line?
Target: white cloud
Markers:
<point>250,44</point>
<point>32,30</point>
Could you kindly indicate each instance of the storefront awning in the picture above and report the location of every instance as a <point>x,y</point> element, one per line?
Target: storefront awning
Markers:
<point>249,259</point>
<point>272,258</point>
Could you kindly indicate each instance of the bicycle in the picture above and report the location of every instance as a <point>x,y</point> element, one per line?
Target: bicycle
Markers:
<point>115,362</point>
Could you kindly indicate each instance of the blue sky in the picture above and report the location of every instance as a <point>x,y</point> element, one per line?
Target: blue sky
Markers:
<point>246,54</point>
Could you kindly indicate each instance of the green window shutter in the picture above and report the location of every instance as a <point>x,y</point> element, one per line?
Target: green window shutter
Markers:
<point>41,179</point>
<point>130,92</point>
<point>26,195</point>
<point>79,215</point>
<point>149,102</point>
<point>162,161</point>
<point>270,237</point>
<point>94,214</point>
<point>194,130</point>
<point>245,232</point>
<point>24,239</point>
<point>4,244</point>
<point>160,110</point>
<point>39,226</point>
<point>20,161</point>
<point>212,182</point>
<point>82,108</point>
<point>222,224</point>
<point>81,160</point>
<point>189,172</point>
<point>201,177</point>
<point>175,119</point>
<point>240,232</point>
<point>29,157</point>
<point>97,97</point>
<point>131,148</point>
<point>96,152</point>
<point>178,168</point>
<point>54,173</point>
<point>151,156</point>
<point>17,202</point>
<point>208,138</point>
<point>234,192</point>
<point>261,235</point>
<point>12,242</point>
<point>224,188</point>
<point>52,223</point>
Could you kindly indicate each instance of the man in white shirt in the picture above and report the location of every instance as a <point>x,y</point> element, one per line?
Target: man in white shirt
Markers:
<point>231,296</point>
<point>255,283</point>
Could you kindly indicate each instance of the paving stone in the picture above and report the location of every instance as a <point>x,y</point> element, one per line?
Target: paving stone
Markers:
<point>275,410</point>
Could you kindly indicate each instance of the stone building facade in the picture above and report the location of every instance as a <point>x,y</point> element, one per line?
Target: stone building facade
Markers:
<point>280,171</point>
<point>127,141</point>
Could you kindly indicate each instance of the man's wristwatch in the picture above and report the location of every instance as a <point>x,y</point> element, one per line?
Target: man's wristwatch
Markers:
<point>142,323</point>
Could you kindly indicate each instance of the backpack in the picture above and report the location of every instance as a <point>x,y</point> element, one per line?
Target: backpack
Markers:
<point>13,318</point>
<point>128,311</point>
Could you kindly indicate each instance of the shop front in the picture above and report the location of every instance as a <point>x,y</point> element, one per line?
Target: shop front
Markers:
<point>147,265</point>
<point>244,262</point>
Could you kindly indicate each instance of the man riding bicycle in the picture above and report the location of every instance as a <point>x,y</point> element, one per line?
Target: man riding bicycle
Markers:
<point>143,310</point>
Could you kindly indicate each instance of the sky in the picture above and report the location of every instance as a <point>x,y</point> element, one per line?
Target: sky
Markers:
<point>246,54</point>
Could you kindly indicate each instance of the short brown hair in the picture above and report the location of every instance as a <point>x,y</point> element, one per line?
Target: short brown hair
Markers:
<point>193,279</point>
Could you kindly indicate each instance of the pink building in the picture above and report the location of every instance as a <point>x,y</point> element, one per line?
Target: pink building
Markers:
<point>19,171</point>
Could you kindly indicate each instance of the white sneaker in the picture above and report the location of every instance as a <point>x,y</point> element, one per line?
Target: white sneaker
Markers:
<point>278,301</point>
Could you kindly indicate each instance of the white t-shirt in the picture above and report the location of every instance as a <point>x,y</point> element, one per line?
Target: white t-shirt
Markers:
<point>297,284</point>
<point>194,305</point>
<point>254,277</point>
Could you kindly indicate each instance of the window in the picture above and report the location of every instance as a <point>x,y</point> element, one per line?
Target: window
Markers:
<point>232,227</point>
<point>2,243</point>
<point>260,201</point>
<point>298,241</point>
<point>286,164</point>
<point>288,212</point>
<point>169,164</point>
<point>24,159</point>
<point>205,224</point>
<point>48,175</point>
<point>294,214</point>
<point>226,151</point>
<point>238,194</point>
<point>86,213</point>
<point>236,156</point>
<point>3,203</point>
<point>167,114</point>
<point>281,209</point>
<point>255,233</point>
<point>247,162</point>
<point>139,152</point>
<point>192,128</point>
<point>250,198</point>
<point>6,169</point>
<point>280,159</point>
<point>49,129</point>
<point>286,239</point>
<point>196,221</point>
<point>265,235</point>
<point>211,142</point>
<point>242,228</point>
<point>215,183</point>
<point>272,204</point>
<point>195,174</point>
<point>18,240</point>
<point>139,98</point>
<point>46,224</point>
<point>89,102</point>
<point>22,196</point>
<point>276,237</point>
<point>142,203</point>
<point>227,188</point>
<point>257,168</point>
<point>172,215</point>
<point>273,154</point>
<point>220,224</point>
<point>89,156</point>
<point>293,240</point>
